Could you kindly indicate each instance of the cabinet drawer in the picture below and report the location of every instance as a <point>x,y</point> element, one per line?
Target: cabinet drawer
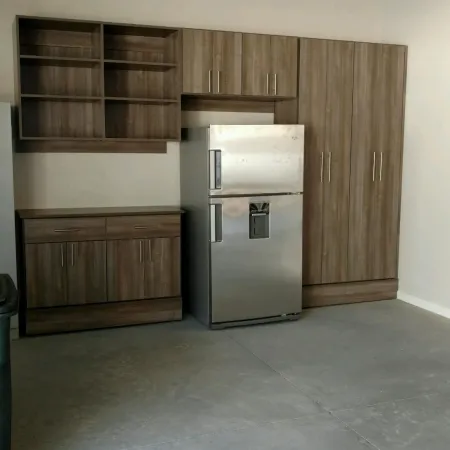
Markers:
<point>64,230</point>
<point>142,226</point>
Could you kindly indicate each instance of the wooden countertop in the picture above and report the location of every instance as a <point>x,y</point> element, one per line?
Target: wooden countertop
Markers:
<point>98,212</point>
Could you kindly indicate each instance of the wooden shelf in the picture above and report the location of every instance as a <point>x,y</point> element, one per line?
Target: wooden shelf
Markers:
<point>104,85</point>
<point>74,98</point>
<point>138,65</point>
<point>154,101</point>
<point>59,61</point>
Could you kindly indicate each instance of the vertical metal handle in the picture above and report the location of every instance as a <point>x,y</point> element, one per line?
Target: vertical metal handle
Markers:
<point>381,166</point>
<point>209,80</point>
<point>321,168</point>
<point>212,221</point>
<point>73,255</point>
<point>216,222</point>
<point>276,83</point>
<point>218,81</point>
<point>329,167</point>
<point>150,258</point>
<point>215,169</point>
<point>267,83</point>
<point>374,163</point>
<point>62,255</point>
<point>140,251</point>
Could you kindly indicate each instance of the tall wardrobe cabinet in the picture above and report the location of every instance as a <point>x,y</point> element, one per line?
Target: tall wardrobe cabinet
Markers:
<point>351,99</point>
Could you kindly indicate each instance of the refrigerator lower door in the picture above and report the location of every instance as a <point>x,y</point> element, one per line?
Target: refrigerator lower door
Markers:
<point>258,160</point>
<point>256,257</point>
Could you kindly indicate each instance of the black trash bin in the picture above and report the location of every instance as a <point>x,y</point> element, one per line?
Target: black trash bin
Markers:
<point>8,308</point>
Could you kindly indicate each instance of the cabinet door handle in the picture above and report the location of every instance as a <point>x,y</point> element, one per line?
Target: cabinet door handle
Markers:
<point>140,251</point>
<point>276,83</point>
<point>67,230</point>
<point>321,168</point>
<point>374,163</point>
<point>140,227</point>
<point>381,166</point>
<point>329,167</point>
<point>150,258</point>
<point>62,255</point>
<point>73,255</point>
<point>267,83</point>
<point>218,81</point>
<point>209,80</point>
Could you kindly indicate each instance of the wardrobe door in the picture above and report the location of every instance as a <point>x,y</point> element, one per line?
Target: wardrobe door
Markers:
<point>312,114</point>
<point>377,141</point>
<point>337,161</point>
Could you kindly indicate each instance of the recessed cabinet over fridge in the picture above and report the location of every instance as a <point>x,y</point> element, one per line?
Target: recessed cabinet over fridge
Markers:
<point>269,65</point>
<point>212,62</point>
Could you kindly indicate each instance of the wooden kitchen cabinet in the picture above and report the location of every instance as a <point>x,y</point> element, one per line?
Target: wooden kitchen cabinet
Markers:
<point>86,272</point>
<point>46,276</point>
<point>98,267</point>
<point>212,62</point>
<point>269,65</point>
<point>126,270</point>
<point>162,274</point>
<point>325,107</point>
<point>377,143</point>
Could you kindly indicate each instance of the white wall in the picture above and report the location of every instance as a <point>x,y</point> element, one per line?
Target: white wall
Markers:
<point>425,223</point>
<point>56,180</point>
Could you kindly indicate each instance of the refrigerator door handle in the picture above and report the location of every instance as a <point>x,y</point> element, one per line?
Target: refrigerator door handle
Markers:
<point>215,169</point>
<point>215,212</point>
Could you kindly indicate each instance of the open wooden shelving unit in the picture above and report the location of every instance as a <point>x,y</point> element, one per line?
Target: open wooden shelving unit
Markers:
<point>97,86</point>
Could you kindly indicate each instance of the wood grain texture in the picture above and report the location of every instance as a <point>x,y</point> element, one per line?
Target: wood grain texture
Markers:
<point>312,113</point>
<point>227,63</point>
<point>136,43</point>
<point>337,153</point>
<point>96,146</point>
<point>86,272</point>
<point>256,64</point>
<point>197,61</point>
<point>142,121</point>
<point>54,118</point>
<point>356,292</point>
<point>125,270</point>
<point>134,227</point>
<point>221,103</point>
<point>286,112</point>
<point>377,128</point>
<point>98,212</point>
<point>162,273</point>
<point>64,230</point>
<point>284,66</point>
<point>53,78</point>
<point>46,278</point>
<point>389,186</point>
<point>64,38</point>
<point>85,317</point>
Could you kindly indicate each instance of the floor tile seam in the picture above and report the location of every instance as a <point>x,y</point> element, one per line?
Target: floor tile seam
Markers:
<point>350,428</point>
<point>384,402</point>
<point>287,380</point>
<point>226,430</point>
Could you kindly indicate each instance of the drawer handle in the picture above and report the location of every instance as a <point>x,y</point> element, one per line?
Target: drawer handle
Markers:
<point>140,227</point>
<point>67,230</point>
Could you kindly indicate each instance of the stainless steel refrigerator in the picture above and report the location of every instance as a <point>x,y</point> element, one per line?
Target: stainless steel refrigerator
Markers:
<point>242,189</point>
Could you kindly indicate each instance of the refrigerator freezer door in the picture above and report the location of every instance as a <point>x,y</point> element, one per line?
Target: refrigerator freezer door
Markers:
<point>256,257</point>
<point>255,159</point>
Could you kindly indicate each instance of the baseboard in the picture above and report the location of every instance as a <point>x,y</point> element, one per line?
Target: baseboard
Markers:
<point>354,292</point>
<point>424,304</point>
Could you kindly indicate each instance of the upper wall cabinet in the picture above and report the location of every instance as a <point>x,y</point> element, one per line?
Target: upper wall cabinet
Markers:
<point>269,65</point>
<point>212,62</point>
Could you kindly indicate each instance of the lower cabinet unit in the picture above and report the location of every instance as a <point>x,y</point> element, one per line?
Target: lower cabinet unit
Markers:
<point>79,272</point>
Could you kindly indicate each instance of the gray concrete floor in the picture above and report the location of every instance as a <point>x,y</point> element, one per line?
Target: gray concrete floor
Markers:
<point>367,376</point>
